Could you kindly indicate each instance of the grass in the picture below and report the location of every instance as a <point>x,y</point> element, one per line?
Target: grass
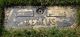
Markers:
<point>52,32</point>
<point>78,16</point>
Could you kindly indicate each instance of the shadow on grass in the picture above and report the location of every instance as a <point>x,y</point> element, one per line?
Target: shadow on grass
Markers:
<point>2,15</point>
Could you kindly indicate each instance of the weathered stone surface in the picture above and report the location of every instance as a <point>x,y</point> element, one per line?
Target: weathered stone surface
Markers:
<point>37,16</point>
